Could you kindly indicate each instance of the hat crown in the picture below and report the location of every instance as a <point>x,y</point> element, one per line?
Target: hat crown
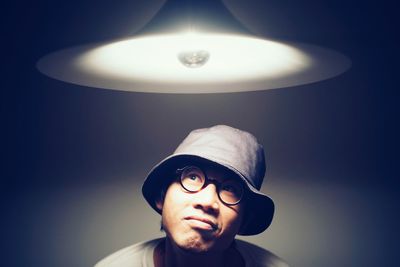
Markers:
<point>231,147</point>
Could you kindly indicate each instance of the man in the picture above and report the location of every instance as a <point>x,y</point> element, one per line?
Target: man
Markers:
<point>207,192</point>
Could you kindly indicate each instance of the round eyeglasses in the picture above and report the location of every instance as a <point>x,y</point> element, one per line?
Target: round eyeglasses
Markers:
<point>193,179</point>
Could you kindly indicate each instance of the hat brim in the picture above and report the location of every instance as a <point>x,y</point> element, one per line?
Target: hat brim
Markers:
<point>260,208</point>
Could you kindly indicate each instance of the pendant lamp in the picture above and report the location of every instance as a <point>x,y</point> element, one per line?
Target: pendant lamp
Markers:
<point>193,46</point>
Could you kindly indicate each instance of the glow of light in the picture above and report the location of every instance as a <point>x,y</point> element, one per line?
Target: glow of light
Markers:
<point>152,64</point>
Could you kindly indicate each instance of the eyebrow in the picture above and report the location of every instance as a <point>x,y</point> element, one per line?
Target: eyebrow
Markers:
<point>222,175</point>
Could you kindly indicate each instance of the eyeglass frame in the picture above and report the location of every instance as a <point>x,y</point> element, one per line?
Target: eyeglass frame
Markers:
<point>208,181</point>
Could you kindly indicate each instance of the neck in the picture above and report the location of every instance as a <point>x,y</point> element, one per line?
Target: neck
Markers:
<point>169,255</point>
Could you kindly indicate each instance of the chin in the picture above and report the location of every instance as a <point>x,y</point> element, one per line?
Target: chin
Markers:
<point>195,244</point>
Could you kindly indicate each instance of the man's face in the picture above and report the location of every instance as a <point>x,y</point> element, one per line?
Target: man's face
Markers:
<point>200,222</point>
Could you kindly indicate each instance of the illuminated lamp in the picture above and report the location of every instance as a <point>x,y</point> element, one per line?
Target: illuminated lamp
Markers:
<point>193,47</point>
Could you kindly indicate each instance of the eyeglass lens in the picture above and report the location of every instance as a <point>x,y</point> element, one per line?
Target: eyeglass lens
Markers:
<point>193,179</point>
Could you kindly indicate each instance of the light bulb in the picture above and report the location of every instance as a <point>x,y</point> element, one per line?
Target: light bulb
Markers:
<point>194,59</point>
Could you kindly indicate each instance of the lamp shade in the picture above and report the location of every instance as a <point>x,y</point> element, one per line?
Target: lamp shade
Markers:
<point>193,47</point>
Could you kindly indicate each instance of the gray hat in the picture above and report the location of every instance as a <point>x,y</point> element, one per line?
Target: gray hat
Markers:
<point>235,150</point>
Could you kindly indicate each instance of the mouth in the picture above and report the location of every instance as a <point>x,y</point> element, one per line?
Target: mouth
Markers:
<point>201,223</point>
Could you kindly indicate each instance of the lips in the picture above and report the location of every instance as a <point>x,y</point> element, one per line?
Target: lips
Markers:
<point>201,222</point>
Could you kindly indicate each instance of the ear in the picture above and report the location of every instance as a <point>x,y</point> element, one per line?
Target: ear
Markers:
<point>160,203</point>
<point>246,216</point>
<point>160,200</point>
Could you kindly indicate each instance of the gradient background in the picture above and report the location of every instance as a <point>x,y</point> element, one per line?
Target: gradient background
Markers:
<point>74,157</point>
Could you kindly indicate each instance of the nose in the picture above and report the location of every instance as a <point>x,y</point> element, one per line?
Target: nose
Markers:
<point>207,199</point>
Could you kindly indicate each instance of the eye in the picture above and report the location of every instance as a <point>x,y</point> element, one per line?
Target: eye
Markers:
<point>192,179</point>
<point>233,189</point>
<point>231,192</point>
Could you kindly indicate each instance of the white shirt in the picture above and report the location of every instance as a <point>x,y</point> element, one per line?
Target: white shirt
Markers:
<point>141,255</point>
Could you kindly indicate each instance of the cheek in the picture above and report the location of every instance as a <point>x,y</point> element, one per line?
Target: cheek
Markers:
<point>233,218</point>
<point>173,204</point>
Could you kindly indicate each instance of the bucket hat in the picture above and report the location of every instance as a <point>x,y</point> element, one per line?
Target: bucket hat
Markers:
<point>230,148</point>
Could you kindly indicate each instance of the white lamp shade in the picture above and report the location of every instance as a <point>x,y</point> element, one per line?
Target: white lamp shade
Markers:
<point>235,63</point>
